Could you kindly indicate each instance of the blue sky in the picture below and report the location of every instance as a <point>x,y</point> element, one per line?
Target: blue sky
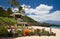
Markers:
<point>34,3</point>
<point>40,10</point>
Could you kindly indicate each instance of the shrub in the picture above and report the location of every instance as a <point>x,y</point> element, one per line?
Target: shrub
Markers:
<point>32,33</point>
<point>37,32</point>
<point>19,33</point>
<point>45,33</point>
<point>7,21</point>
<point>3,31</point>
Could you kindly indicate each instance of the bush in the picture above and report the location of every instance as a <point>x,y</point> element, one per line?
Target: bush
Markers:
<point>37,32</point>
<point>19,33</point>
<point>45,33</point>
<point>7,21</point>
<point>3,31</point>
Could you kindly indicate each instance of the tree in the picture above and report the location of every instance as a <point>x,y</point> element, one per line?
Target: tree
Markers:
<point>2,12</point>
<point>15,3</point>
<point>21,10</point>
<point>9,11</point>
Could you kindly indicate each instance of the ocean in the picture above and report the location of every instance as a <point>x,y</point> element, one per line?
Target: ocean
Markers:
<point>55,27</point>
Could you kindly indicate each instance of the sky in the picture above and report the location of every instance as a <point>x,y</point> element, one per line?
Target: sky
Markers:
<point>39,10</point>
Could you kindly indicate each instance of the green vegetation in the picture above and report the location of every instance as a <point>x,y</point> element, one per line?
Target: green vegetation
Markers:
<point>19,33</point>
<point>5,13</point>
<point>13,3</point>
<point>45,33</point>
<point>37,32</point>
<point>3,31</point>
<point>29,20</point>
<point>7,21</point>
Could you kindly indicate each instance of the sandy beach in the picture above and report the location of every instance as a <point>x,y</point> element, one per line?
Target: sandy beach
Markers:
<point>57,31</point>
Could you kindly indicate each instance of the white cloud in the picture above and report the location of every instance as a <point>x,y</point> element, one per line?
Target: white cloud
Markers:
<point>15,9</point>
<point>41,9</point>
<point>53,16</point>
<point>42,13</point>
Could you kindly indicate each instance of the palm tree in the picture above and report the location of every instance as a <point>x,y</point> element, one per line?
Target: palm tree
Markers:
<point>15,3</point>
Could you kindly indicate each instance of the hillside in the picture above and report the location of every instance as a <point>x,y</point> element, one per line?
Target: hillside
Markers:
<point>33,22</point>
<point>4,21</point>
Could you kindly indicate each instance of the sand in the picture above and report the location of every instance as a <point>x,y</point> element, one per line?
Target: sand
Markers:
<point>57,31</point>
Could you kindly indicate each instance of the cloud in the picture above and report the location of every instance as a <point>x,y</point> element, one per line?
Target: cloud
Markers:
<point>42,13</point>
<point>44,7</point>
<point>41,9</point>
<point>53,16</point>
<point>15,9</point>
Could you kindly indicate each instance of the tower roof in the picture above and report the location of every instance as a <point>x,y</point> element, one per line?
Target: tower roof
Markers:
<point>17,14</point>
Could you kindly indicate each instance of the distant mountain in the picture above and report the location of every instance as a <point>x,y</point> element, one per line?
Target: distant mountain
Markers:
<point>53,22</point>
